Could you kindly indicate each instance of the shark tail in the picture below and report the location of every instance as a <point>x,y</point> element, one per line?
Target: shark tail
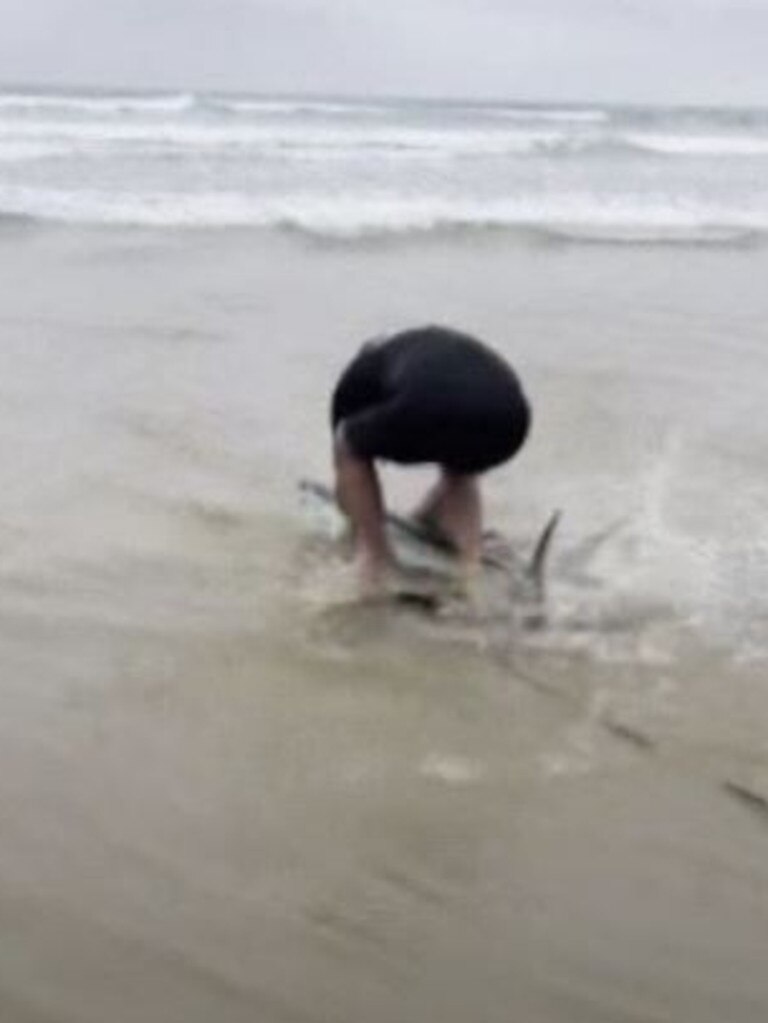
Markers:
<point>537,565</point>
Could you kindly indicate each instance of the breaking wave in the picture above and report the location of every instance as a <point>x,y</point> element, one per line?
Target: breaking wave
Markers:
<point>301,141</point>
<point>357,169</point>
<point>33,103</point>
<point>191,103</point>
<point>584,218</point>
<point>700,145</point>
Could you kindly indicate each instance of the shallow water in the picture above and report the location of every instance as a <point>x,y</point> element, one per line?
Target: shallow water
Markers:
<point>224,798</point>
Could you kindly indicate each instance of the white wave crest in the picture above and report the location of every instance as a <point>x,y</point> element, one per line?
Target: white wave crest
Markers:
<point>290,138</point>
<point>566,115</point>
<point>22,152</point>
<point>296,107</point>
<point>92,104</point>
<point>700,145</point>
<point>574,217</point>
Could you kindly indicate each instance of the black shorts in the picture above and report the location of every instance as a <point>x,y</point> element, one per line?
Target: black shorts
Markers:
<point>432,395</point>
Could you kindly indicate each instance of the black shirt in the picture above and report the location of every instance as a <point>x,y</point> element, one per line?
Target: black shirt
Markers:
<point>431,395</point>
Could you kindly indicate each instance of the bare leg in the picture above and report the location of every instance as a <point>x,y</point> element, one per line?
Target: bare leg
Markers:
<point>454,507</point>
<point>358,492</point>
<point>428,510</point>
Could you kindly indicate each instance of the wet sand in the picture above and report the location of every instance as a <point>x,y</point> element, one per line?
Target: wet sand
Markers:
<point>224,796</point>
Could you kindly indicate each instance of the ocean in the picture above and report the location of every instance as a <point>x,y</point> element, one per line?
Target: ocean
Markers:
<point>347,169</point>
<point>226,792</point>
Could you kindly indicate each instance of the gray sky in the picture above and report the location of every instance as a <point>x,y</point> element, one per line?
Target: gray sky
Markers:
<point>644,50</point>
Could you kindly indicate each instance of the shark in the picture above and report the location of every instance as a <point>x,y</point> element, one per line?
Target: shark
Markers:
<point>424,553</point>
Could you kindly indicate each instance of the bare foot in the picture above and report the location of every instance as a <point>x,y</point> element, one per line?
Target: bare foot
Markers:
<point>374,575</point>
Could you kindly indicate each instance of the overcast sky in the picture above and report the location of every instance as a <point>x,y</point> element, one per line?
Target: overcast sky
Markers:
<point>700,51</point>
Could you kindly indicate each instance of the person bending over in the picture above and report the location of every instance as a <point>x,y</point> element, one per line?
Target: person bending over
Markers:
<point>429,395</point>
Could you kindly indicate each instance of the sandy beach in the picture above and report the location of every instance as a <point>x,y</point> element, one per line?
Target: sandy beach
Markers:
<point>225,798</point>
